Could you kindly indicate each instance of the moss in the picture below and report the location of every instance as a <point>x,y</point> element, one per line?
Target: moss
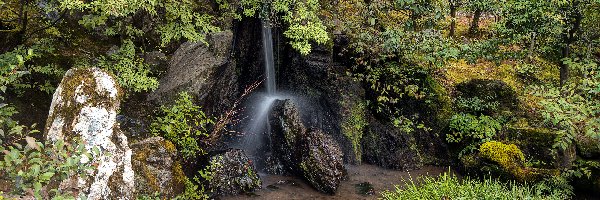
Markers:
<point>511,160</point>
<point>169,146</point>
<point>353,124</point>
<point>587,146</point>
<point>536,143</point>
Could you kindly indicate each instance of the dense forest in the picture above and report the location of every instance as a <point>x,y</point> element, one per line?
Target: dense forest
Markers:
<point>300,99</point>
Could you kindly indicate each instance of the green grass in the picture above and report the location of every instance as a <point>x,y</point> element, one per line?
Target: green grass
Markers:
<point>449,186</point>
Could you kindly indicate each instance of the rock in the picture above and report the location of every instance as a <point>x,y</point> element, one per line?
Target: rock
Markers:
<point>587,146</point>
<point>535,142</point>
<point>489,91</point>
<point>203,71</point>
<point>154,160</point>
<point>85,106</point>
<point>308,153</point>
<point>322,163</point>
<point>232,173</point>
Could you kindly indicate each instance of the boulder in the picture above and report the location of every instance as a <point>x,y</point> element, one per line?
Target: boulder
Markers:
<point>154,160</point>
<point>203,70</point>
<point>85,106</point>
<point>232,173</point>
<point>322,161</point>
<point>488,92</point>
<point>309,153</point>
<point>588,147</point>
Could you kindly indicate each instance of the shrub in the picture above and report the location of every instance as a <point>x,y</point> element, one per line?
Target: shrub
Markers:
<point>184,124</point>
<point>35,165</point>
<point>450,187</point>
<point>472,131</point>
<point>132,73</point>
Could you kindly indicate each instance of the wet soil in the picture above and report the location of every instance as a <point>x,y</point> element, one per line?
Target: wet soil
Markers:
<point>363,182</point>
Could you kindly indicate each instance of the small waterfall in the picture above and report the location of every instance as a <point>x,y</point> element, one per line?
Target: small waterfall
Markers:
<point>255,141</point>
<point>267,38</point>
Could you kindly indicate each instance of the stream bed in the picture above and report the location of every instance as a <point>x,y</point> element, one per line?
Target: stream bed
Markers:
<point>380,179</point>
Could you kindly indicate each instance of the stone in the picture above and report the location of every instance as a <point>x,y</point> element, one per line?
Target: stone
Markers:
<point>85,106</point>
<point>203,70</point>
<point>309,153</point>
<point>232,172</point>
<point>157,167</point>
<point>587,147</point>
<point>322,161</point>
<point>489,91</point>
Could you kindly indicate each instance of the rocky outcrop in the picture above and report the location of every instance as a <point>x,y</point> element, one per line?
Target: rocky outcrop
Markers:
<point>156,167</point>
<point>496,96</point>
<point>232,173</point>
<point>85,106</point>
<point>204,70</point>
<point>311,154</point>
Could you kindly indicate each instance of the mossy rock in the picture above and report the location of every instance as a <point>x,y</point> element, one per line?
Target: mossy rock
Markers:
<point>231,172</point>
<point>535,143</point>
<point>489,91</point>
<point>157,168</point>
<point>85,106</point>
<point>322,162</point>
<point>587,146</point>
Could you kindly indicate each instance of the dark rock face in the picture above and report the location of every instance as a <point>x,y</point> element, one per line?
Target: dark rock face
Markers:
<point>308,153</point>
<point>156,167</point>
<point>391,147</point>
<point>232,173</point>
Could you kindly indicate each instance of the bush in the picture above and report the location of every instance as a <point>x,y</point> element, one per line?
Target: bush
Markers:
<point>184,124</point>
<point>35,165</point>
<point>450,187</point>
<point>132,73</point>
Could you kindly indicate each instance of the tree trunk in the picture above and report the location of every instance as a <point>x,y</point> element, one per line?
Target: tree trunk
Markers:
<point>568,39</point>
<point>531,47</point>
<point>475,23</point>
<point>453,15</point>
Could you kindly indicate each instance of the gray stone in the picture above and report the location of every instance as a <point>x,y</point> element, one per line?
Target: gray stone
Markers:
<point>232,173</point>
<point>85,106</point>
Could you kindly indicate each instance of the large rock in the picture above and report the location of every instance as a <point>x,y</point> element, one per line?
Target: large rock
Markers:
<point>308,153</point>
<point>232,173</point>
<point>204,70</point>
<point>85,106</point>
<point>489,92</point>
<point>154,160</point>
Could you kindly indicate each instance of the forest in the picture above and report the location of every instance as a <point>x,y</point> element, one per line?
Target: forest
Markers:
<point>299,99</point>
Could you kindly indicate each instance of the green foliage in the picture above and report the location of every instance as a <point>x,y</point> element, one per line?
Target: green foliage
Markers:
<point>35,165</point>
<point>171,20</point>
<point>301,17</point>
<point>195,189</point>
<point>184,124</point>
<point>470,128</point>
<point>132,73</point>
<point>574,108</point>
<point>475,105</point>
<point>449,186</point>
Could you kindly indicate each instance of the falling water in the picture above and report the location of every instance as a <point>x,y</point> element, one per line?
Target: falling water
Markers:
<point>268,55</point>
<point>255,140</point>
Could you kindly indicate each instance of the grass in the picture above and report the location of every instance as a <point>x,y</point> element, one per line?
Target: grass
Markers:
<point>449,186</point>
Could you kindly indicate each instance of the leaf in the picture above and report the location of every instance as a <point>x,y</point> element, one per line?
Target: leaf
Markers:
<point>46,176</point>
<point>31,143</point>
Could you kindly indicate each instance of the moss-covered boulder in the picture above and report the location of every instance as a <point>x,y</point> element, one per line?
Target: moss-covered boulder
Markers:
<point>587,146</point>
<point>232,172</point>
<point>157,169</point>
<point>309,153</point>
<point>489,97</point>
<point>85,107</point>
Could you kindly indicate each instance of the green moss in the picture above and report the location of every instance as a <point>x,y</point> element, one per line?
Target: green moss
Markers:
<point>353,124</point>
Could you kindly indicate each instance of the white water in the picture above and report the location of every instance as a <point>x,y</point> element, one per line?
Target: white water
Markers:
<point>255,139</point>
<point>267,38</point>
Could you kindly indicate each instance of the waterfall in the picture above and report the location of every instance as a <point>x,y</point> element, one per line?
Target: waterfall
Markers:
<point>255,139</point>
<point>267,38</point>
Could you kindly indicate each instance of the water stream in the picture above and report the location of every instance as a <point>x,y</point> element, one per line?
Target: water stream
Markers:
<point>255,139</point>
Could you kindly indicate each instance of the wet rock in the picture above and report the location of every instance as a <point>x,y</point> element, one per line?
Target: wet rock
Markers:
<point>232,173</point>
<point>322,163</point>
<point>154,160</point>
<point>308,153</point>
<point>85,106</point>
<point>204,71</point>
